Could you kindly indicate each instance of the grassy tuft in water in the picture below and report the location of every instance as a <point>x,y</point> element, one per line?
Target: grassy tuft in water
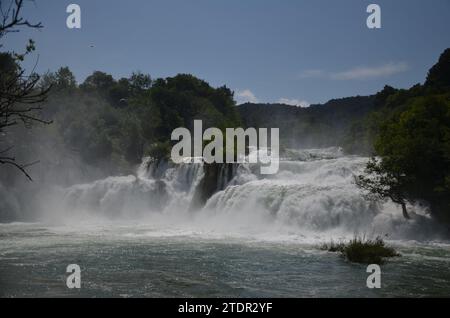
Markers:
<point>361,250</point>
<point>333,247</point>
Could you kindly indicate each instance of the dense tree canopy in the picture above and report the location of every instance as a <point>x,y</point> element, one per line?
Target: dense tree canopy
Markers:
<point>412,145</point>
<point>439,74</point>
<point>111,124</point>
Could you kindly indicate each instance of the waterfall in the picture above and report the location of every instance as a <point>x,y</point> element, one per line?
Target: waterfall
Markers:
<point>313,192</point>
<point>316,193</point>
<point>156,188</point>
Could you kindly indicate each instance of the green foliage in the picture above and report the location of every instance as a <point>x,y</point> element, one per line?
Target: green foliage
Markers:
<point>419,132</point>
<point>411,140</point>
<point>98,81</point>
<point>132,141</point>
<point>139,83</point>
<point>361,250</point>
<point>439,74</point>
<point>333,247</point>
<point>359,139</point>
<point>8,65</point>
<point>313,127</point>
<point>369,251</point>
<point>159,150</point>
<point>413,148</point>
<point>362,132</point>
<point>111,124</point>
<point>181,99</point>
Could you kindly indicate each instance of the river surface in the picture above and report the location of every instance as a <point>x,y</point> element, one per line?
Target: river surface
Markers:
<point>137,261</point>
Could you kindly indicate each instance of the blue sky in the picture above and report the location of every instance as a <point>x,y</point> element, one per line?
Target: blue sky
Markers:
<point>265,50</point>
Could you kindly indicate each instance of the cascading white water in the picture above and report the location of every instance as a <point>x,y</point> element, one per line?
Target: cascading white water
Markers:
<point>313,193</point>
<point>156,188</point>
<point>316,194</point>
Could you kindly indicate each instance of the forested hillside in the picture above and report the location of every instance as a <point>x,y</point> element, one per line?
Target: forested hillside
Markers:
<point>313,127</point>
<point>105,126</point>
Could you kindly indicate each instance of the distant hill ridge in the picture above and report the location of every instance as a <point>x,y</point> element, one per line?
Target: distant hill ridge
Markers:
<point>340,122</point>
<point>319,125</point>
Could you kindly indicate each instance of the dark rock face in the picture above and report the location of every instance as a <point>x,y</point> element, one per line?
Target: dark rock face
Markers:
<point>216,177</point>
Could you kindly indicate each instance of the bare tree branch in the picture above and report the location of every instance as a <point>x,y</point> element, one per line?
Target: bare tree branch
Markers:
<point>11,18</point>
<point>21,167</point>
<point>20,95</point>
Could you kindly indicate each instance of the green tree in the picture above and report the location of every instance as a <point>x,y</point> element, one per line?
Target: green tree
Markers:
<point>98,81</point>
<point>414,156</point>
<point>439,74</point>
<point>64,78</point>
<point>140,82</point>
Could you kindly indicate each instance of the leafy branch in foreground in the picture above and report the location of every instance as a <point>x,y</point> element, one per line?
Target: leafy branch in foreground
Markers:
<point>20,96</point>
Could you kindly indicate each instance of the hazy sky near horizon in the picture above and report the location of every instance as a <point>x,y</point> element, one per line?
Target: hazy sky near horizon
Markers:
<point>291,51</point>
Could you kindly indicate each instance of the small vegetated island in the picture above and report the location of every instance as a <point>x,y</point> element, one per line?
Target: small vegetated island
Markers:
<point>362,250</point>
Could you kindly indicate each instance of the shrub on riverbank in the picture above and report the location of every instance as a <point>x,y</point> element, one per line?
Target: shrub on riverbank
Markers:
<point>361,250</point>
